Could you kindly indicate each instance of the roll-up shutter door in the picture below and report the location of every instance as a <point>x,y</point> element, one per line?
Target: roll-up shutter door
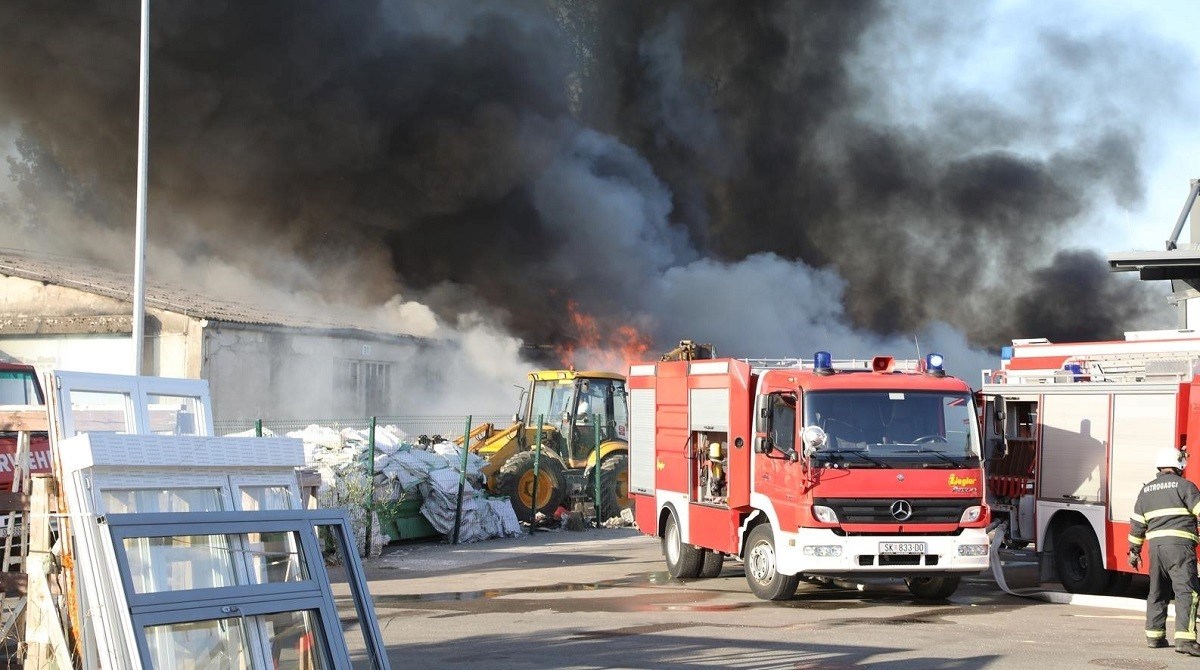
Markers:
<point>1142,424</point>
<point>641,440</point>
<point>709,409</point>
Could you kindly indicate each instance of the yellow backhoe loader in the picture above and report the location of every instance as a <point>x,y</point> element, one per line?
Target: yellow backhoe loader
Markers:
<point>574,406</point>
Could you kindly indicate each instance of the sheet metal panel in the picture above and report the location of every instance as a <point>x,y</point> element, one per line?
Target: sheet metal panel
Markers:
<point>1074,447</point>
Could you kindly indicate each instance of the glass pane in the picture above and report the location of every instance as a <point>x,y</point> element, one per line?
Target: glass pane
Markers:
<point>219,644</point>
<point>135,501</point>
<point>100,412</point>
<point>180,563</point>
<point>174,415</point>
<point>16,388</point>
<point>275,557</point>
<point>295,639</point>
<point>334,543</point>
<point>255,498</point>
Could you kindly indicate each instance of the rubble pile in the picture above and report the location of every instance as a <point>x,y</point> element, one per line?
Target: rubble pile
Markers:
<point>404,471</point>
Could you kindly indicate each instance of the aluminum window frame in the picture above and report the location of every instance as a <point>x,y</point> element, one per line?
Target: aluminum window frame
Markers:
<point>137,391</point>
<point>249,600</point>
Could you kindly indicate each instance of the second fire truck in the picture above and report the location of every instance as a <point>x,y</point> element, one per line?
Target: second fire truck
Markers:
<point>857,468</point>
<point>1083,422</point>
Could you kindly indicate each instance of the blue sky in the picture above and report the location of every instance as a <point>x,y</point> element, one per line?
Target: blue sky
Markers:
<point>1172,150</point>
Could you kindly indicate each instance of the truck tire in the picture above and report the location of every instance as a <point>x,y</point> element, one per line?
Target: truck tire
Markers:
<point>1078,562</point>
<point>712,564</point>
<point>515,480</point>
<point>932,588</point>
<point>614,485</point>
<point>761,567</point>
<point>684,560</point>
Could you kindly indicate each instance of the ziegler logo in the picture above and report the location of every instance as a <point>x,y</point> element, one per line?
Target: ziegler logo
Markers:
<point>962,484</point>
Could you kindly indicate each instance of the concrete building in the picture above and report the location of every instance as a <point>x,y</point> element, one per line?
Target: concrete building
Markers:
<point>57,313</point>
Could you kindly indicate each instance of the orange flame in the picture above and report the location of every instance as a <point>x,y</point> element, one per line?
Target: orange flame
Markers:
<point>592,348</point>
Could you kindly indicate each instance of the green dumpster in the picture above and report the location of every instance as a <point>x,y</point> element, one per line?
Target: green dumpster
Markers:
<point>402,520</point>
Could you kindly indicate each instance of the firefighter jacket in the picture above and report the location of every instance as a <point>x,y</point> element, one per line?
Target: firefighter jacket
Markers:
<point>1165,512</point>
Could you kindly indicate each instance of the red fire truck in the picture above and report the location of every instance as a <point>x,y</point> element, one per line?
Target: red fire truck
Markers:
<point>1083,421</point>
<point>854,468</point>
<point>19,387</point>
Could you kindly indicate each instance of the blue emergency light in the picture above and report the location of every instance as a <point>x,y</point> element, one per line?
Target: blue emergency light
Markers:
<point>823,363</point>
<point>1075,370</point>
<point>934,365</point>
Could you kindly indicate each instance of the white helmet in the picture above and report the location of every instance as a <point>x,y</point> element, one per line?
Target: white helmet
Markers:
<point>1169,458</point>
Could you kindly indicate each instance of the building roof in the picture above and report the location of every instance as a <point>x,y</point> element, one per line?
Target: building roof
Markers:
<point>1154,265</point>
<point>81,275</point>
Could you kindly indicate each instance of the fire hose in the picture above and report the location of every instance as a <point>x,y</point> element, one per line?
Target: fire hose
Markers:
<point>1057,597</point>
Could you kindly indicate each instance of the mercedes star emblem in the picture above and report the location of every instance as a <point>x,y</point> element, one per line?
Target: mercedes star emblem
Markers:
<point>901,510</point>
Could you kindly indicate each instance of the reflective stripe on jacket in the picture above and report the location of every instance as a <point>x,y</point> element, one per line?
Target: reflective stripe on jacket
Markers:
<point>1165,511</point>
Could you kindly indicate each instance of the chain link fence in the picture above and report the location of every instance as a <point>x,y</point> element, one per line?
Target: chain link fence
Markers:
<point>449,427</point>
<point>400,514</point>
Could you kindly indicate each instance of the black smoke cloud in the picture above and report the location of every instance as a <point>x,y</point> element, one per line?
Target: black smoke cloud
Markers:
<point>760,111</point>
<point>507,158</point>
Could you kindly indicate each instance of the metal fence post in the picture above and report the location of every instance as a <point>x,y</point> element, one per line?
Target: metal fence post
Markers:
<point>596,427</point>
<point>537,461</point>
<point>462,478</point>
<point>258,428</point>
<point>370,504</point>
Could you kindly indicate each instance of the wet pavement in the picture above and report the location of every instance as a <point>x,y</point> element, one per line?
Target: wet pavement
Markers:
<point>601,599</point>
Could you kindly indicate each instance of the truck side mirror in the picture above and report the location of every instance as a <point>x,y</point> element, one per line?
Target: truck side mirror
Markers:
<point>763,423</point>
<point>813,439</point>
<point>997,442</point>
<point>998,414</point>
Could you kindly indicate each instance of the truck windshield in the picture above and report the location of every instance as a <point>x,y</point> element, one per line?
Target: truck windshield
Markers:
<point>551,399</point>
<point>925,428</point>
<point>17,388</point>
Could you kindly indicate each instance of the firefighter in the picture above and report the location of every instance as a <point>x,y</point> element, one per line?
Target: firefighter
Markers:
<point>1165,515</point>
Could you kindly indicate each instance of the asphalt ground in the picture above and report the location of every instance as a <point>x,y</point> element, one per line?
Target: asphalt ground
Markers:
<point>601,599</point>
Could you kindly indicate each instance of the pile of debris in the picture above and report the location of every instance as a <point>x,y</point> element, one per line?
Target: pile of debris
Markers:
<point>404,470</point>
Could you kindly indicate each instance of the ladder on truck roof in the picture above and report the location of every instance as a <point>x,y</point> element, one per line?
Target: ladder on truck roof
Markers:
<point>840,365</point>
<point>1106,368</point>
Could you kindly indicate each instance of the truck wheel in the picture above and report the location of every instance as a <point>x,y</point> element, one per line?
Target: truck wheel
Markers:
<point>1077,559</point>
<point>614,485</point>
<point>515,480</point>
<point>712,564</point>
<point>684,561</point>
<point>762,567</point>
<point>932,588</point>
